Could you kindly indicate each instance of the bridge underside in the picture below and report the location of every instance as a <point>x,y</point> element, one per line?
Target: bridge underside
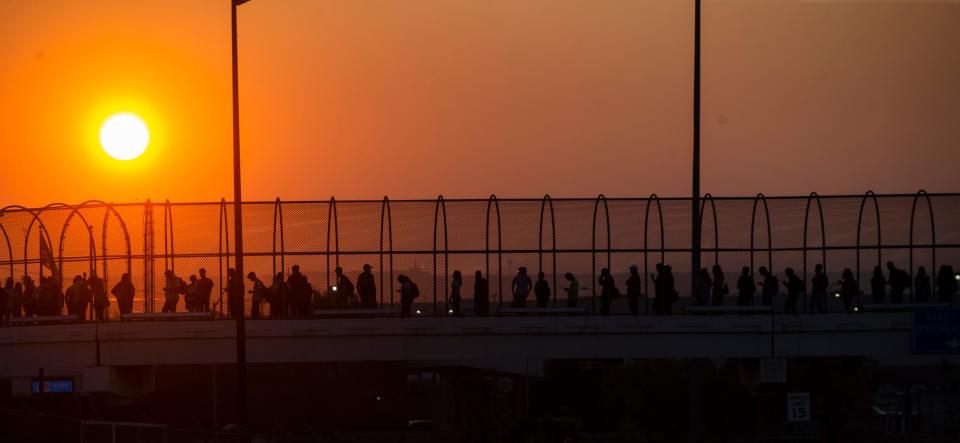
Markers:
<point>25,349</point>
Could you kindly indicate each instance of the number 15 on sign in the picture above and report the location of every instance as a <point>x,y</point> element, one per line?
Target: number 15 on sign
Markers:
<point>798,406</point>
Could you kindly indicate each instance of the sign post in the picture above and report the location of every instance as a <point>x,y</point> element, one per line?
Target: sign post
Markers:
<point>936,331</point>
<point>798,407</point>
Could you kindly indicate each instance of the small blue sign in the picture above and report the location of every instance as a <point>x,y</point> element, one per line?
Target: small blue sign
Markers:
<point>936,331</point>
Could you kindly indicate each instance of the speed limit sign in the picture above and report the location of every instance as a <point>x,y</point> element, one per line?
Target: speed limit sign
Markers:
<point>798,406</point>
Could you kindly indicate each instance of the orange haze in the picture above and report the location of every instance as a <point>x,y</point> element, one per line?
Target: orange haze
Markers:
<point>468,98</point>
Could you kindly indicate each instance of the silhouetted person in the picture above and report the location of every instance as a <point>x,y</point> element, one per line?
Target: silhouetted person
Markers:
<point>634,290</point>
<point>573,290</point>
<point>608,291</point>
<point>257,295</point>
<point>191,295</point>
<point>16,300</point>
<point>99,291</point>
<point>344,291</point>
<point>408,293</point>
<point>454,302</point>
<point>849,290</point>
<point>124,291</point>
<point>702,286</point>
<point>5,294</point>
<point>79,297</point>
<point>367,288</point>
<point>48,297</point>
<point>276,294</point>
<point>541,290</point>
<point>29,296</point>
<point>878,285</point>
<point>720,288</point>
<point>669,290</point>
<point>746,288</point>
<point>204,290</point>
<point>481,295</point>
<point>521,286</point>
<point>946,284</point>
<point>771,287</point>
<point>818,294</point>
<point>921,286</point>
<point>235,293</point>
<point>795,286</point>
<point>899,282</point>
<point>171,291</point>
<point>297,283</point>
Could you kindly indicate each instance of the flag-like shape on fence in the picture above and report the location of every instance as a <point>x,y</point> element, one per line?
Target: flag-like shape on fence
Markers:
<point>46,258</point>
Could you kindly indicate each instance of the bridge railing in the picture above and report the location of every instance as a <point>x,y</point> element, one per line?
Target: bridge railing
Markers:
<point>428,240</point>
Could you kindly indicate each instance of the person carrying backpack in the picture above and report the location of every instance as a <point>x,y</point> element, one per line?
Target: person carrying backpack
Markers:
<point>408,293</point>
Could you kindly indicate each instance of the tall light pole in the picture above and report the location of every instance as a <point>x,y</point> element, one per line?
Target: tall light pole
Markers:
<point>238,230</point>
<point>695,189</point>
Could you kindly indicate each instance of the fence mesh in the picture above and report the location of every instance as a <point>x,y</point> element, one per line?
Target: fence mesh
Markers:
<point>430,239</point>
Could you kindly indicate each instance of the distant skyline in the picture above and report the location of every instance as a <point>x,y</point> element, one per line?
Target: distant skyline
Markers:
<point>465,98</point>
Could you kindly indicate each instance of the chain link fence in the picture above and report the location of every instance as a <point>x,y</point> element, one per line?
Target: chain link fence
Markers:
<point>428,240</point>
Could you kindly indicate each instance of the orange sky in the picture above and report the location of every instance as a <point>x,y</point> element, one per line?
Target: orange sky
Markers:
<point>467,98</point>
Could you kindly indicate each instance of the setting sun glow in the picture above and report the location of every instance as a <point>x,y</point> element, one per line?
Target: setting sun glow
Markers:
<point>124,136</point>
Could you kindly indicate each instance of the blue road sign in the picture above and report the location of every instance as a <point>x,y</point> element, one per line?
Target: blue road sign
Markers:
<point>936,331</point>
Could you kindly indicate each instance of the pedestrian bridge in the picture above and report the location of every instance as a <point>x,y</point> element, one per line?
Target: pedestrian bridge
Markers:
<point>155,343</point>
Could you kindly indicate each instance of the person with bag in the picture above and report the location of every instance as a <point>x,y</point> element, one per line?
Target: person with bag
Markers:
<point>608,291</point>
<point>795,286</point>
<point>408,293</point>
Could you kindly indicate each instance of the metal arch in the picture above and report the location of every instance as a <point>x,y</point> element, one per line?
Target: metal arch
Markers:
<point>91,245</point>
<point>716,226</point>
<point>441,205</point>
<point>168,254</point>
<point>593,244</point>
<point>553,235</point>
<point>823,236</point>
<point>876,207</point>
<point>933,234</point>
<point>103,242</point>
<point>653,198</point>
<point>493,202</point>
<point>753,225</point>
<point>223,251</point>
<point>43,229</point>
<point>6,238</point>
<point>386,213</point>
<point>278,216</point>
<point>332,215</point>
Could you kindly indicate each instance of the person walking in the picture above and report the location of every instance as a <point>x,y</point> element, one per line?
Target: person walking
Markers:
<point>454,300</point>
<point>235,294</point>
<point>171,291</point>
<point>849,290</point>
<point>819,287</point>
<point>98,290</point>
<point>720,288</point>
<point>608,291</point>
<point>78,297</point>
<point>257,295</point>
<point>29,296</point>
<point>344,290</point>
<point>899,281</point>
<point>408,293</point>
<point>702,286</point>
<point>367,288</point>
<point>947,284</point>
<point>124,291</point>
<point>746,288</point>
<point>771,287</point>
<point>921,286</point>
<point>634,290</point>
<point>204,291</point>
<point>573,290</point>
<point>276,294</point>
<point>541,290</point>
<point>521,288</point>
<point>297,284</point>
<point>481,295</point>
<point>795,286</point>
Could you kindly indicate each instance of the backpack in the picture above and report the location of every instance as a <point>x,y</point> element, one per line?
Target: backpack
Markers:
<point>414,290</point>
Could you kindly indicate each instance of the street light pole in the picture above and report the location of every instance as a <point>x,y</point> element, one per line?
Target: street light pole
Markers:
<point>695,191</point>
<point>238,230</point>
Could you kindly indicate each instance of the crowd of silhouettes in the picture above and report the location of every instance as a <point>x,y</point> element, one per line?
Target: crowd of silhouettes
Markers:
<point>87,298</point>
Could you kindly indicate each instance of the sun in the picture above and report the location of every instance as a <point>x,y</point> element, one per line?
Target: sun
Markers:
<point>124,136</point>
